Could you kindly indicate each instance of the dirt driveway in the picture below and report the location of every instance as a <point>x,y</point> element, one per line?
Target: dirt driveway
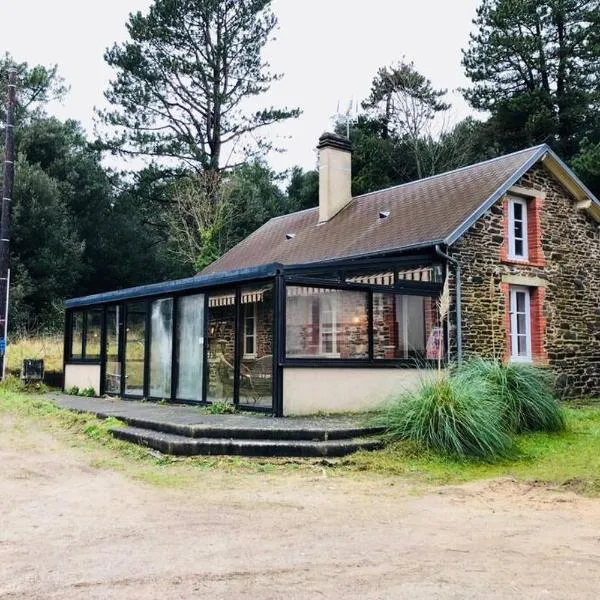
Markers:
<point>69,530</point>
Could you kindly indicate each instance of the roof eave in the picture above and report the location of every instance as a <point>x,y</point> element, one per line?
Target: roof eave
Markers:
<point>567,177</point>
<point>198,282</point>
<point>365,255</point>
<point>557,167</point>
<point>476,215</point>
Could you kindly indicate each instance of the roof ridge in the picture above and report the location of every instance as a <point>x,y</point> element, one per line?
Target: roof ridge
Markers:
<point>452,171</point>
<point>296,212</point>
<point>431,177</point>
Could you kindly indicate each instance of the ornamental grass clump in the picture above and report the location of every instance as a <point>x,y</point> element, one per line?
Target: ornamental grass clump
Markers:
<point>525,393</point>
<point>451,416</point>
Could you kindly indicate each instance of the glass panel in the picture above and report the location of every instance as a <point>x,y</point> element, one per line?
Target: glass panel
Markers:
<point>424,273</point>
<point>522,345</point>
<point>517,211</point>
<point>406,327</point>
<point>249,327</point>
<point>376,277</point>
<point>326,323</point>
<point>256,371</point>
<point>519,230</point>
<point>520,298</point>
<point>221,346</point>
<point>521,324</point>
<point>135,348</point>
<point>190,347</point>
<point>161,348</point>
<point>518,247</point>
<point>76,334</point>
<point>112,383</point>
<point>93,334</point>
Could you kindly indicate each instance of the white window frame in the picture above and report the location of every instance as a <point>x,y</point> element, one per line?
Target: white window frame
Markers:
<point>514,333</point>
<point>248,315</point>
<point>512,202</point>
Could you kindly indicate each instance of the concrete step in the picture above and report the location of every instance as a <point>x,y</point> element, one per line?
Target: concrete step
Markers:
<point>273,429</point>
<point>181,445</point>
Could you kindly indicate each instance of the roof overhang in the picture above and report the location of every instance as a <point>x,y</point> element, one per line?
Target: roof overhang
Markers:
<point>563,174</point>
<point>199,282</point>
<point>566,177</point>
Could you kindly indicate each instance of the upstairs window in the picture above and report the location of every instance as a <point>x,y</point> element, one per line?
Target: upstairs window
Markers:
<point>517,229</point>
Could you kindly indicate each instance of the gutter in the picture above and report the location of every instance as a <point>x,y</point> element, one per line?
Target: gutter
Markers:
<point>453,261</point>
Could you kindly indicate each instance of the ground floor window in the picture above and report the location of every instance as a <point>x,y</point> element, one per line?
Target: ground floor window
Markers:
<point>406,327</point>
<point>326,323</point>
<point>86,334</point>
<point>520,324</point>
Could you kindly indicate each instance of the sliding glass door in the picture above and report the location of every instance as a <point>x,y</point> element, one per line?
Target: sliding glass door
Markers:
<point>161,348</point>
<point>190,347</point>
<point>135,348</point>
<point>113,350</point>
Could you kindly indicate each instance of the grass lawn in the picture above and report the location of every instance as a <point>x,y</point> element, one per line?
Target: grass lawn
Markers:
<point>49,347</point>
<point>570,460</point>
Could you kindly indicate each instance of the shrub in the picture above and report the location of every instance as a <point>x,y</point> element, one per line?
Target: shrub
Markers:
<point>90,392</point>
<point>524,392</point>
<point>220,408</point>
<point>74,391</point>
<point>450,415</point>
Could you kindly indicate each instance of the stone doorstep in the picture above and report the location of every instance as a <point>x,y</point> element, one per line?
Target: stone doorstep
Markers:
<point>252,433</point>
<point>187,422</point>
<point>179,445</point>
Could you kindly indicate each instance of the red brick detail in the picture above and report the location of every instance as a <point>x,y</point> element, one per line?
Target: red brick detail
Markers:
<point>505,288</point>
<point>534,234</point>
<point>505,222</point>
<point>538,326</point>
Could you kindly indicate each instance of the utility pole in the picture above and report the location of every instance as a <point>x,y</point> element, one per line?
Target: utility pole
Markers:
<point>5,223</point>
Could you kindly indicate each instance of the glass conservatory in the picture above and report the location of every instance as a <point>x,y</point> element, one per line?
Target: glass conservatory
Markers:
<point>278,339</point>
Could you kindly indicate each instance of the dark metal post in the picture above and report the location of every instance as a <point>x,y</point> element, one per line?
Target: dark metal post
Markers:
<point>237,357</point>
<point>7,194</point>
<point>278,345</point>
<point>175,348</point>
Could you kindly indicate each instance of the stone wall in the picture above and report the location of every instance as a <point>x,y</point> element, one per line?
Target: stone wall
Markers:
<point>567,269</point>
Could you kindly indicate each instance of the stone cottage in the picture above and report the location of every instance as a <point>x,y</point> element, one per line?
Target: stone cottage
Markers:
<point>337,307</point>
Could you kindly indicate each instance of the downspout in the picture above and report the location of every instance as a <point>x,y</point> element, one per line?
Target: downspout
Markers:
<point>453,261</point>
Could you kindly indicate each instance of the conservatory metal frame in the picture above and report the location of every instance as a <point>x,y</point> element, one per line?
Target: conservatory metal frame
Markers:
<point>325,274</point>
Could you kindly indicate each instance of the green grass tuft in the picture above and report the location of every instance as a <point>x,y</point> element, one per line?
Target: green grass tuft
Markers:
<point>450,415</point>
<point>526,393</point>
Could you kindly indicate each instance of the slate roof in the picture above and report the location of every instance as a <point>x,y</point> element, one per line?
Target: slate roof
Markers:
<point>421,213</point>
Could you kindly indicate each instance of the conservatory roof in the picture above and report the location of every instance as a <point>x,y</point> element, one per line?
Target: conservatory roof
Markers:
<point>199,282</point>
<point>435,210</point>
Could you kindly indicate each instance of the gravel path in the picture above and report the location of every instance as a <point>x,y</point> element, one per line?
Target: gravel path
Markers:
<point>69,530</point>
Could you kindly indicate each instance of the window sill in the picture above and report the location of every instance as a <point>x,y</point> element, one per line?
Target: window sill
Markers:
<point>521,360</point>
<point>524,262</point>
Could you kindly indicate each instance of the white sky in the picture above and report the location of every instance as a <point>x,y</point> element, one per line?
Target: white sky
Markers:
<point>328,50</point>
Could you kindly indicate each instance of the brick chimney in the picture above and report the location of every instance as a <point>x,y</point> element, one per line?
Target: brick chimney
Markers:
<point>335,174</point>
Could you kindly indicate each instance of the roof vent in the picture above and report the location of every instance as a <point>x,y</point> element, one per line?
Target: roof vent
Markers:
<point>384,214</point>
<point>290,236</point>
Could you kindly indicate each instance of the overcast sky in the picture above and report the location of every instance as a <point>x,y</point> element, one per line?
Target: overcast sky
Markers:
<point>328,50</point>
